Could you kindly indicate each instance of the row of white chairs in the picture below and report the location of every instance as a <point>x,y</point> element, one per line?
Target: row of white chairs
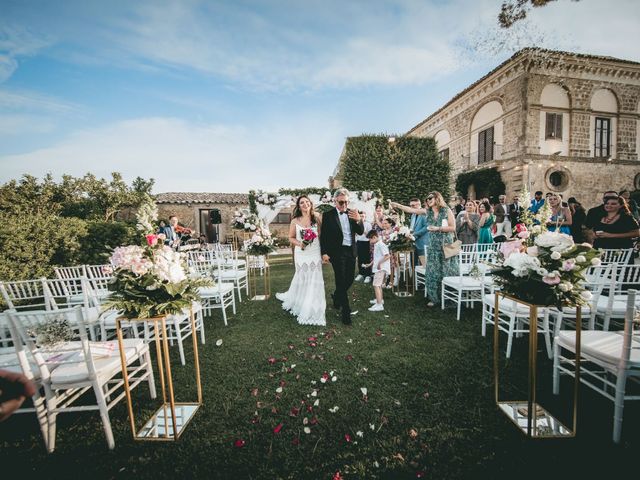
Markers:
<point>64,371</point>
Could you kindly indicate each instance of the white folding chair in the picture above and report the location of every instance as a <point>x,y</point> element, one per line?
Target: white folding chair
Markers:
<point>463,288</point>
<point>612,303</point>
<point>66,370</point>
<point>513,317</point>
<point>616,255</point>
<point>230,270</point>
<point>99,277</point>
<point>221,295</point>
<point>597,278</point>
<point>420,274</point>
<point>604,355</point>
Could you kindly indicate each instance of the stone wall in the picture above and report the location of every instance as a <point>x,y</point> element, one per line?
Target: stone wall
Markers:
<point>189,214</point>
<point>518,85</point>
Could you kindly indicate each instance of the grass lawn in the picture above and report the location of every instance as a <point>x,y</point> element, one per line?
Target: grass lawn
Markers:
<point>429,410</point>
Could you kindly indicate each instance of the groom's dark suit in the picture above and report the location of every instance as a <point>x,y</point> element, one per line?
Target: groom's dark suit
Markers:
<point>342,258</point>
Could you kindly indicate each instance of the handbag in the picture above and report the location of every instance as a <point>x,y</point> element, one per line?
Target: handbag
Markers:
<point>452,249</point>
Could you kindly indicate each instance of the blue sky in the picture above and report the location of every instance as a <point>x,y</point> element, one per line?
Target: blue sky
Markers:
<point>209,95</point>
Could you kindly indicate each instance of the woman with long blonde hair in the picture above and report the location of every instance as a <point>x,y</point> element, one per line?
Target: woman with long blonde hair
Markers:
<point>441,225</point>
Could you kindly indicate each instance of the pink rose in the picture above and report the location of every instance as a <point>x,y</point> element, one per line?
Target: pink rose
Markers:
<point>152,239</point>
<point>551,279</point>
<point>524,234</point>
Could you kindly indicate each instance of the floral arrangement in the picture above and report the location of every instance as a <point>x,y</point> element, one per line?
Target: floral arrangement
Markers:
<point>243,220</point>
<point>264,198</point>
<point>147,215</point>
<point>53,332</point>
<point>531,224</point>
<point>308,235</point>
<point>549,272</point>
<point>150,280</point>
<point>261,243</point>
<point>401,239</point>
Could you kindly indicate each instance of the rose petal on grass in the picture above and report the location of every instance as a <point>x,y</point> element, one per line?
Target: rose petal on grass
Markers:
<point>347,438</point>
<point>294,412</point>
<point>316,403</point>
<point>334,378</point>
<point>295,441</point>
<point>279,390</point>
<point>360,433</point>
<point>218,342</point>
<point>372,426</point>
<point>348,358</point>
<point>314,393</point>
<point>364,390</point>
<point>271,360</point>
<point>254,392</point>
<point>334,409</point>
<point>306,430</point>
<point>278,428</point>
<point>413,433</point>
<point>282,383</point>
<point>239,443</point>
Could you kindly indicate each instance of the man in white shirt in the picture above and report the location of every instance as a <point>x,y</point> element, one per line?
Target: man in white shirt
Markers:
<point>503,223</point>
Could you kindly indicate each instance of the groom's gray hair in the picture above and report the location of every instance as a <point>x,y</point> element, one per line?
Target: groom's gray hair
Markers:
<point>339,192</point>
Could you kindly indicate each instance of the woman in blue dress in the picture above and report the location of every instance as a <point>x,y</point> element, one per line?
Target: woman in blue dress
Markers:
<point>485,223</point>
<point>561,218</point>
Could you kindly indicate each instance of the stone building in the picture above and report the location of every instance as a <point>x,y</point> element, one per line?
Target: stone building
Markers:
<point>194,210</point>
<point>553,121</point>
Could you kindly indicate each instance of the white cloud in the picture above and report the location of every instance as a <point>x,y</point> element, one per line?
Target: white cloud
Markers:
<point>19,124</point>
<point>27,100</point>
<point>17,41</point>
<point>184,156</point>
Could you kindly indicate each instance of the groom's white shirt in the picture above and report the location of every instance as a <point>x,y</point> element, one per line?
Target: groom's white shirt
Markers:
<point>346,229</point>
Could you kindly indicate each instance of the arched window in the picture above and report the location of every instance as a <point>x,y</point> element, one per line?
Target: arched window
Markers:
<point>554,120</point>
<point>604,106</point>
<point>443,139</point>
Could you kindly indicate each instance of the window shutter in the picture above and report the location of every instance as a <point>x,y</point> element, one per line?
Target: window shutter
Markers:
<point>558,129</point>
<point>481,142</point>
<point>549,126</point>
<point>489,144</point>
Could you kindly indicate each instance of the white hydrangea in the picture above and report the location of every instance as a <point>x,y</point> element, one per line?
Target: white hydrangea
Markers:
<point>581,259</point>
<point>555,256</point>
<point>522,264</point>
<point>556,242</point>
<point>596,261</point>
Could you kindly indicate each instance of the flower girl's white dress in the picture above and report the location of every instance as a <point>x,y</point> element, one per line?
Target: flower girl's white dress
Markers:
<point>306,297</point>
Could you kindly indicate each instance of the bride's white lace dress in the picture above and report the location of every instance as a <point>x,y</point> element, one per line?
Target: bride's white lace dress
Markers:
<point>305,297</point>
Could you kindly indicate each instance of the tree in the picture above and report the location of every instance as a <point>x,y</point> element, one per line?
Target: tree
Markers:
<point>401,169</point>
<point>47,223</point>
<point>514,10</point>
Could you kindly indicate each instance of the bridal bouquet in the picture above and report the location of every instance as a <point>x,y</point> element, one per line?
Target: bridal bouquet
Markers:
<point>549,272</point>
<point>308,236</point>
<point>261,243</point>
<point>401,239</point>
<point>150,280</point>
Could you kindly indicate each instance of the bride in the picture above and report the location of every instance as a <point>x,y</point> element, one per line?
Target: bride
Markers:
<point>306,297</point>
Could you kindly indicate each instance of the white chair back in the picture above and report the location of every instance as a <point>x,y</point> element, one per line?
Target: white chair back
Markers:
<point>26,295</point>
<point>616,255</point>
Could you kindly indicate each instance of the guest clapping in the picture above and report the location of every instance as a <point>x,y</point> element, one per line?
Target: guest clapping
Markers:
<point>467,224</point>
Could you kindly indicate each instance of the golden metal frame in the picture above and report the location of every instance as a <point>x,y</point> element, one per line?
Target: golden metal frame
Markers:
<point>406,269</point>
<point>167,411</point>
<point>254,273</point>
<point>533,410</point>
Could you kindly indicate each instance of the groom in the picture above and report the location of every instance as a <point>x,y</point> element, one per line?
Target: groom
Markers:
<point>340,225</point>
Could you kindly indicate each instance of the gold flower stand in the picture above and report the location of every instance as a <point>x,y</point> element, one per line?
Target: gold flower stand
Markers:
<point>528,415</point>
<point>172,418</point>
<point>402,270</point>
<point>259,277</point>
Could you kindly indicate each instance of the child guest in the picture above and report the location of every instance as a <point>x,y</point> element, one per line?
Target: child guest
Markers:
<point>381,267</point>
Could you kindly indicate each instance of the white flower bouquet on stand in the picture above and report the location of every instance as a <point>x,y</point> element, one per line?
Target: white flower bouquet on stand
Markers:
<point>550,272</point>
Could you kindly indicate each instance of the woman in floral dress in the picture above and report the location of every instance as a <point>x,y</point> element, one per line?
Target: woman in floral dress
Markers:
<point>441,225</point>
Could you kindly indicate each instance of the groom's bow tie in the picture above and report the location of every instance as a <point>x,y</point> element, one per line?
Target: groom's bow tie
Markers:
<point>342,213</point>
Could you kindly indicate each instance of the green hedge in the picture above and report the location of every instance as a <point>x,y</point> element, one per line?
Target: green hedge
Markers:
<point>409,167</point>
<point>487,181</point>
